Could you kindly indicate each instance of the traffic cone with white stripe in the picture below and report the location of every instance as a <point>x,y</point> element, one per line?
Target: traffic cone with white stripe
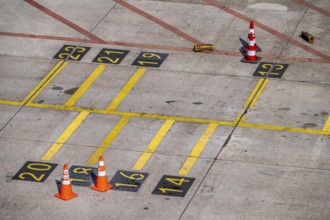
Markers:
<point>66,192</point>
<point>251,56</point>
<point>251,30</point>
<point>101,183</point>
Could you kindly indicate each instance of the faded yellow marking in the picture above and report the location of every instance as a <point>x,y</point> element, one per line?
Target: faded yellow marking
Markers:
<point>10,102</point>
<point>108,140</point>
<point>45,81</point>
<point>145,156</point>
<point>327,125</point>
<point>126,89</point>
<point>282,128</point>
<point>85,85</point>
<point>249,99</point>
<point>189,163</point>
<point>65,136</point>
<point>253,93</point>
<point>175,118</point>
<point>264,84</point>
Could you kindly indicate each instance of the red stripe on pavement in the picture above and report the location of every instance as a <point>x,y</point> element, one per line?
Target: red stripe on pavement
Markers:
<point>159,22</point>
<point>40,36</point>
<point>315,8</point>
<point>64,21</point>
<point>159,47</point>
<point>268,29</point>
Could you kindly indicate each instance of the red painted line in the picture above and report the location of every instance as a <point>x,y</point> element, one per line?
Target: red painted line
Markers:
<point>40,36</point>
<point>64,21</point>
<point>159,22</point>
<point>157,47</point>
<point>268,29</point>
<point>315,8</point>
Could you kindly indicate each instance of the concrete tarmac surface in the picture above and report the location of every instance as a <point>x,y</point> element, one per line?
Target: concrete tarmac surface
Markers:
<point>184,134</point>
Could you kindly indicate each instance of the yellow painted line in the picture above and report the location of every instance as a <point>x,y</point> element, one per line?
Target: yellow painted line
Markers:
<point>10,102</point>
<point>46,80</point>
<point>253,93</point>
<point>175,118</point>
<point>108,140</point>
<point>145,156</point>
<point>265,82</point>
<point>65,136</point>
<point>85,85</point>
<point>189,163</point>
<point>282,128</point>
<point>250,98</point>
<point>126,89</point>
<point>327,125</point>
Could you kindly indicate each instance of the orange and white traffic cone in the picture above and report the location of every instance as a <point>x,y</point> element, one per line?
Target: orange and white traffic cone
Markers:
<point>251,30</point>
<point>251,56</point>
<point>66,192</point>
<point>101,183</point>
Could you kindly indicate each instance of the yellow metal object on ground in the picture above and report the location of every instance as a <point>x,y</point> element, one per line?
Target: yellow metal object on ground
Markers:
<point>307,37</point>
<point>204,47</point>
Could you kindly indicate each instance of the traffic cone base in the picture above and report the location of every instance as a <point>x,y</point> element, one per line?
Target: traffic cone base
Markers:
<point>66,197</point>
<point>102,189</point>
<point>244,60</point>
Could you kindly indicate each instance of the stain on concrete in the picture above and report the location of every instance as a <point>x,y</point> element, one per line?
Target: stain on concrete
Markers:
<point>56,88</point>
<point>309,125</point>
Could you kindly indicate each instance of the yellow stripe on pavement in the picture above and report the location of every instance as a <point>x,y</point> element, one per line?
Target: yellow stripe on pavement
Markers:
<point>264,84</point>
<point>85,85</point>
<point>10,102</point>
<point>108,140</point>
<point>254,91</point>
<point>327,125</point>
<point>185,169</point>
<point>145,156</point>
<point>126,89</point>
<point>65,136</point>
<point>46,80</point>
<point>249,99</point>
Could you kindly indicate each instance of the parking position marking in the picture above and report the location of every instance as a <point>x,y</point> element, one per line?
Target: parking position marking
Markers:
<point>65,136</point>
<point>128,181</point>
<point>256,97</point>
<point>264,68</point>
<point>85,85</point>
<point>110,56</point>
<point>45,81</point>
<point>147,153</point>
<point>173,186</point>
<point>66,52</point>
<point>126,89</point>
<point>35,171</point>
<point>108,140</point>
<point>150,59</point>
<point>82,176</point>
<point>197,150</point>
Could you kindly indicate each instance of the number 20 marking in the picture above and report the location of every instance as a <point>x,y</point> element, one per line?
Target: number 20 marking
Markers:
<point>32,166</point>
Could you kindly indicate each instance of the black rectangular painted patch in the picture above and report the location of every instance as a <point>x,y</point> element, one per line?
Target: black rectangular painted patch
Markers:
<point>277,71</point>
<point>82,176</point>
<point>128,180</point>
<point>66,50</point>
<point>110,56</point>
<point>35,171</point>
<point>173,186</point>
<point>150,59</point>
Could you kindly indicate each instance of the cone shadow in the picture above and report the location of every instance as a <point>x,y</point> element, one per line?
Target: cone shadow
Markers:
<point>93,175</point>
<point>58,185</point>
